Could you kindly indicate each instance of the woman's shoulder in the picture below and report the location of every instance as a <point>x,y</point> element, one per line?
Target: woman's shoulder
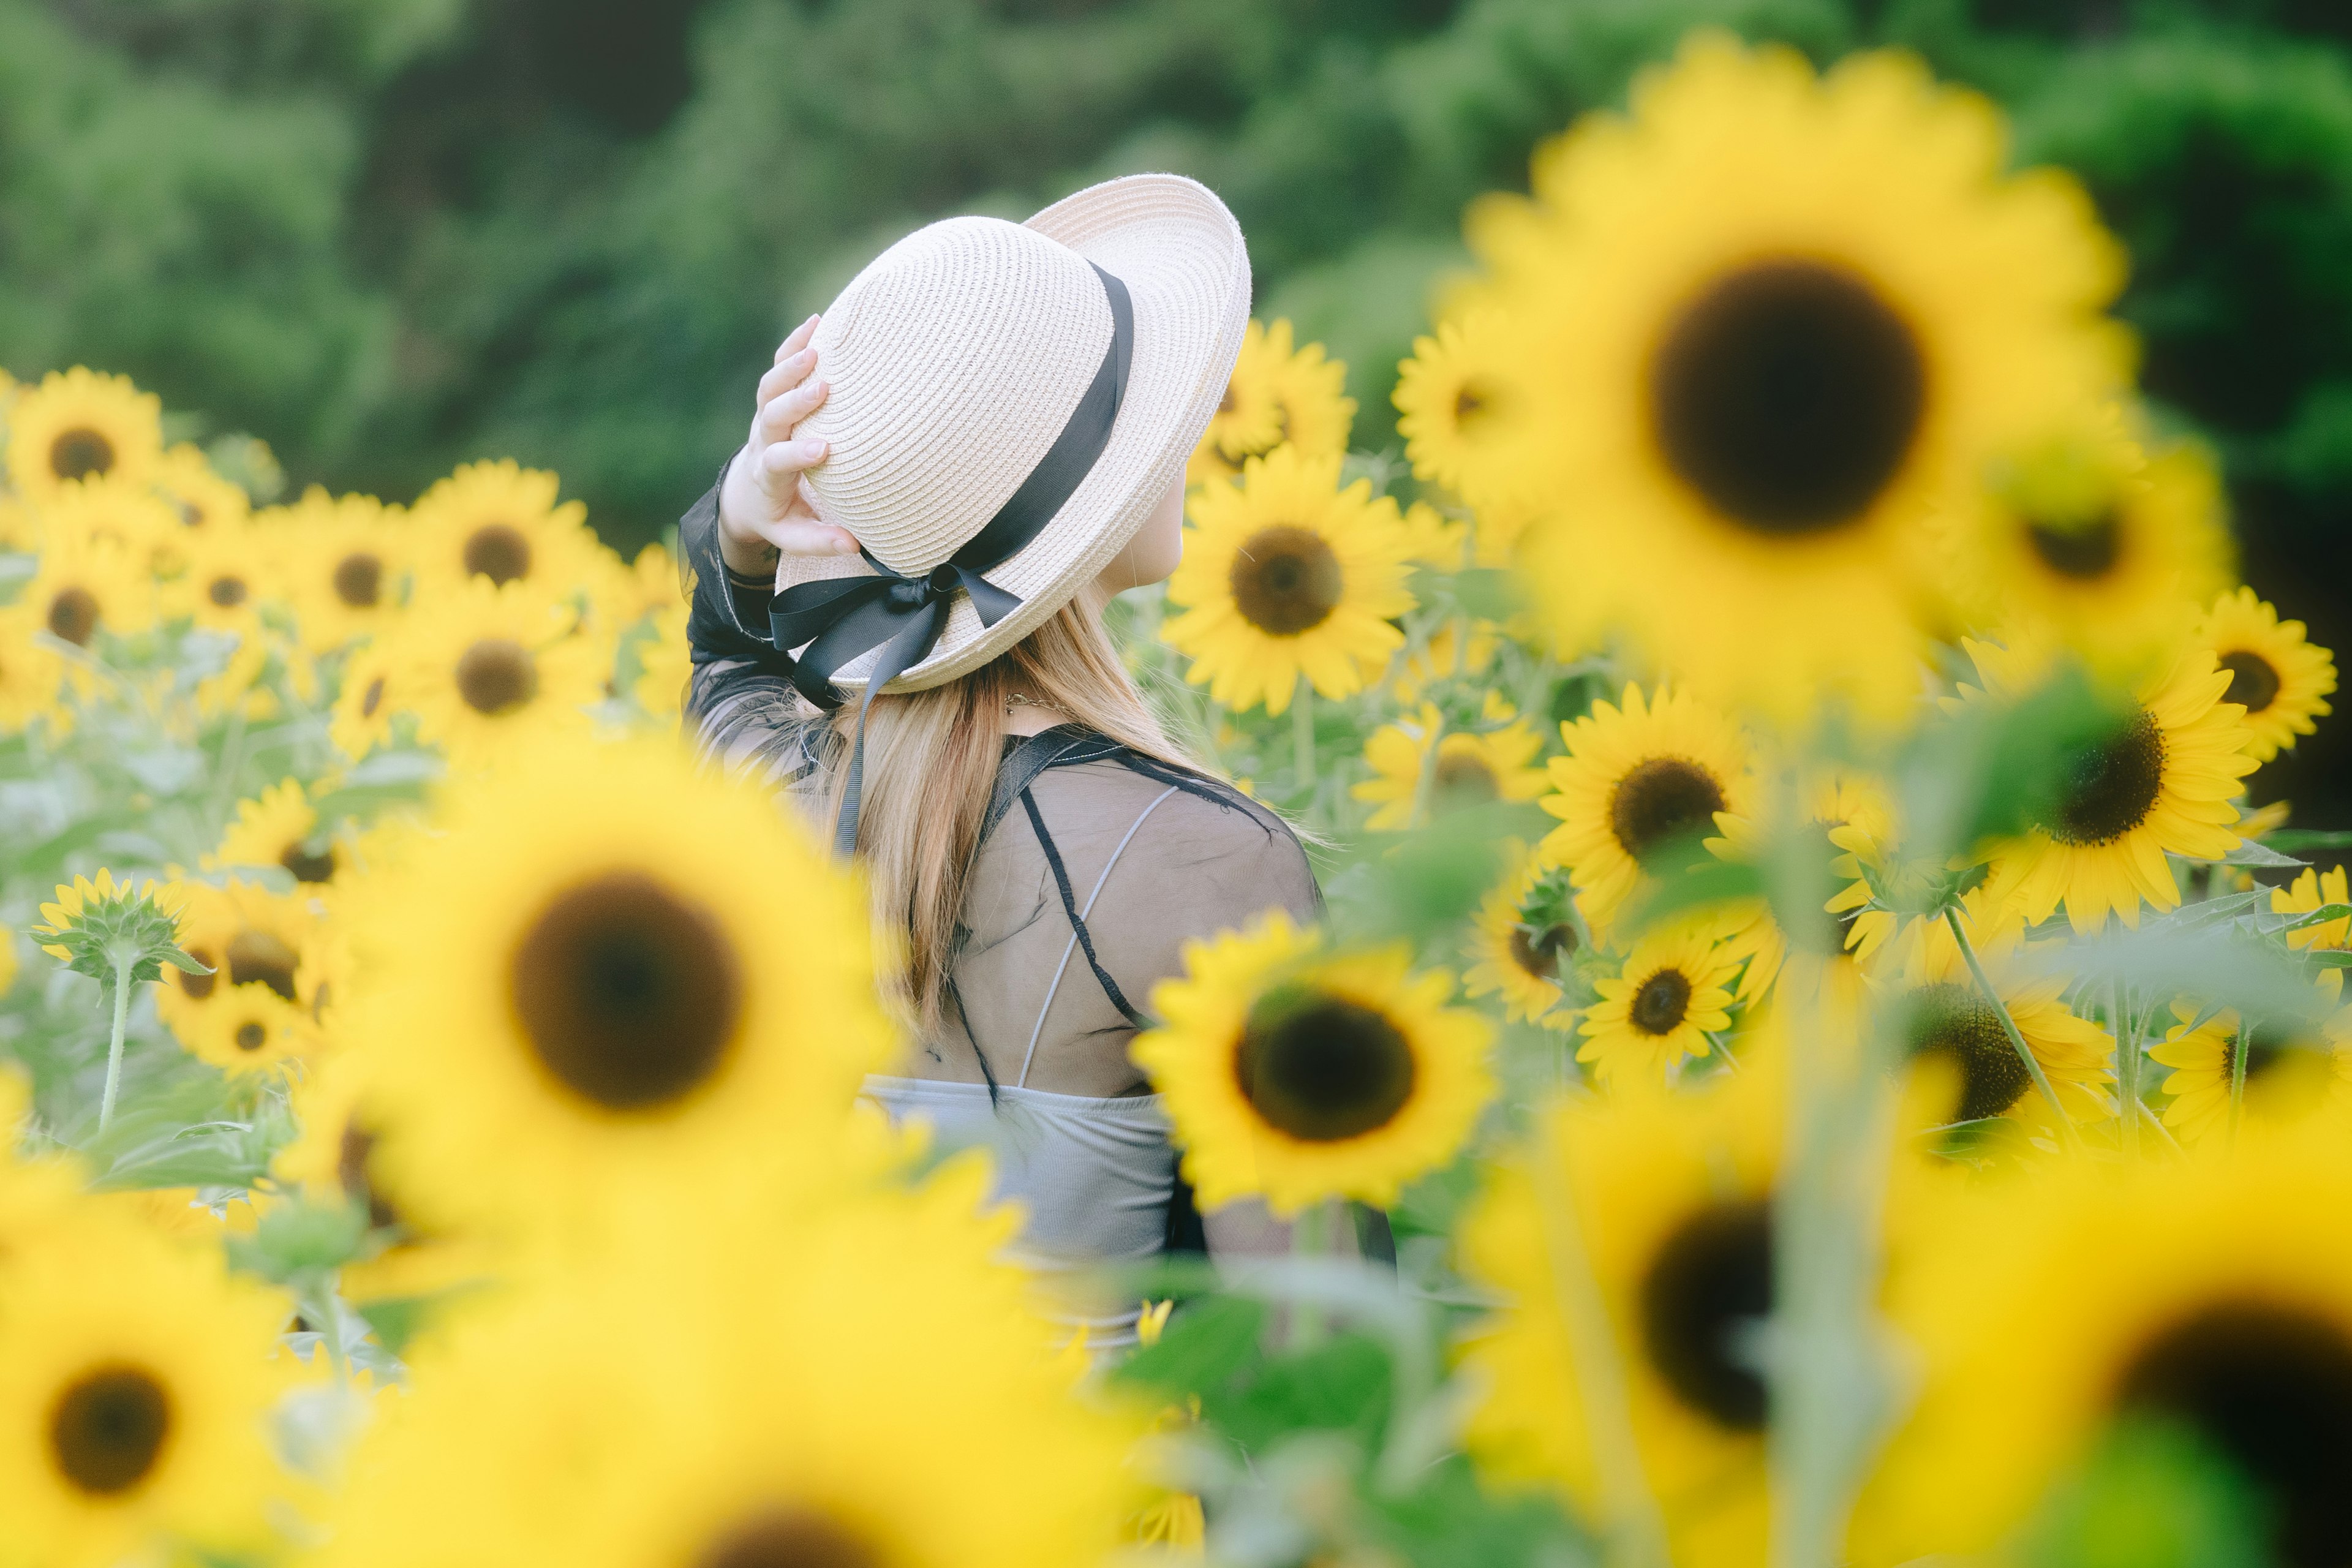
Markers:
<point>1171,814</point>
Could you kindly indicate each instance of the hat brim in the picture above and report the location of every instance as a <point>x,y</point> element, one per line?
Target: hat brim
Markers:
<point>1186,268</point>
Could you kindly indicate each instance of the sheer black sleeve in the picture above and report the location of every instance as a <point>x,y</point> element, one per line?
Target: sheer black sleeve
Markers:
<point>745,716</point>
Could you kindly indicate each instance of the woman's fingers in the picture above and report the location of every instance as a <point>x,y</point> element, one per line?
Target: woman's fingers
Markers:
<point>797,340</point>
<point>799,536</point>
<point>786,375</point>
<point>779,414</point>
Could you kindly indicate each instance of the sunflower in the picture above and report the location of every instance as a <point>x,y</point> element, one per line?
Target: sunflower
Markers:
<point>367,704</point>
<point>2290,1073</point>
<point>135,1401</point>
<point>1843,802</point>
<point>347,565</point>
<point>2307,893</point>
<point>32,675</point>
<point>1636,780</point>
<point>1656,1012</point>
<point>281,827</point>
<point>79,426</point>
<point>488,668</point>
<point>1298,1076</point>
<point>2281,679</point>
<point>131,517</point>
<point>228,575</point>
<point>1519,954</point>
<point>262,1000</point>
<point>1279,396</point>
<point>1666,1201</point>
<point>201,497</point>
<point>2216,1297</point>
<point>500,522</point>
<point>1470,768</point>
<point>1445,397</point>
<point>611,973</point>
<point>1456,649</point>
<point>654,584</point>
<point>2083,538</point>
<point>1287,574</point>
<point>1434,539</point>
<point>1761,329</point>
<point>87,585</point>
<point>664,662</point>
<point>2160,783</point>
<point>770,1411</point>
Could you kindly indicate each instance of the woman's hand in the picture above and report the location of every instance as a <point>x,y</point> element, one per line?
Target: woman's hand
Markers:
<point>761,511</point>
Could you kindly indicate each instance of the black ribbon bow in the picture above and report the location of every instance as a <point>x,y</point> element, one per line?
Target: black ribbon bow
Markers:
<point>841,617</point>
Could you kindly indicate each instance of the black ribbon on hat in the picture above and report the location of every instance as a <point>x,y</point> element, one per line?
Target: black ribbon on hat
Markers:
<point>841,617</point>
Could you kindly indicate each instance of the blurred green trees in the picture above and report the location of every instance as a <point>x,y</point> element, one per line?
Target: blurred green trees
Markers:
<point>391,235</point>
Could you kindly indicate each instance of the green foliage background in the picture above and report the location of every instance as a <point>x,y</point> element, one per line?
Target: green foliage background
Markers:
<point>394,234</point>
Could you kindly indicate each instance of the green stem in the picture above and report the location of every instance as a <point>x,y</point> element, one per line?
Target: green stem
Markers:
<point>2008,1026</point>
<point>1302,731</point>
<point>1310,1236</point>
<point>114,1043</point>
<point>2238,1075</point>
<point>2128,1064</point>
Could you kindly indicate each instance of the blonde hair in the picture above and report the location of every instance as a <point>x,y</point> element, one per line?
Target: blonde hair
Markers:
<point>930,770</point>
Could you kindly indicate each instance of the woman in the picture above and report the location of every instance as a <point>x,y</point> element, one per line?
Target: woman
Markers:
<point>897,586</point>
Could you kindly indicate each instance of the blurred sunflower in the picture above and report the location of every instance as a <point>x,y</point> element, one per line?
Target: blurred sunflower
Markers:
<point>262,1000</point>
<point>201,497</point>
<point>2083,538</point>
<point>488,669</point>
<point>2160,783</point>
<point>1761,329</point>
<point>1519,956</point>
<point>134,1403</point>
<point>1300,1076</point>
<point>664,663</point>
<point>1279,396</point>
<point>1457,649</point>
<point>226,576</point>
<point>1287,574</point>
<point>1666,1200</point>
<point>1434,539</point>
<point>1843,802</point>
<point>1445,396</point>
<point>1470,768</point>
<point>2212,1296</point>
<point>2291,1073</point>
<point>765,1415</point>
<point>368,702</point>
<point>131,517</point>
<point>1656,1012</point>
<point>1637,780</point>
<point>281,827</point>
<point>2281,679</point>
<point>347,565</point>
<point>86,586</point>
<point>611,979</point>
<point>32,675</point>
<point>77,426</point>
<point>2308,894</point>
<point>653,583</point>
<point>499,521</point>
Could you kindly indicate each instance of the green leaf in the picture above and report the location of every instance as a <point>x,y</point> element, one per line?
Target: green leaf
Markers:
<point>2287,840</point>
<point>1490,595</point>
<point>1449,1520</point>
<point>184,963</point>
<point>2151,1496</point>
<point>2251,853</point>
<point>302,1240</point>
<point>1344,1385</point>
<point>395,1322</point>
<point>1205,1343</point>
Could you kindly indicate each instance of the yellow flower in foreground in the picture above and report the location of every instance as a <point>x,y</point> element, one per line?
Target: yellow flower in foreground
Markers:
<point>1279,395</point>
<point>1655,1013</point>
<point>1470,768</point>
<point>2281,679</point>
<point>2305,895</point>
<point>2159,785</point>
<point>77,426</point>
<point>1299,1075</point>
<point>1287,574</point>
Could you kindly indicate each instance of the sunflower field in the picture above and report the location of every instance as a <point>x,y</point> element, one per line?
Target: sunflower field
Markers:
<point>1848,1078</point>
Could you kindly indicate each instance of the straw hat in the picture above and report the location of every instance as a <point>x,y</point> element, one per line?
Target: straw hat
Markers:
<point>958,355</point>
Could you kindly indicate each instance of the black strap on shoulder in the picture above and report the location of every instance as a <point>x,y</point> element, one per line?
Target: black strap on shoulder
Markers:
<point>1055,748</point>
<point>1078,921</point>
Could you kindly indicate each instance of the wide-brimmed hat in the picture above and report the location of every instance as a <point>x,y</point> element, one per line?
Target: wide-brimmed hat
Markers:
<point>970,365</point>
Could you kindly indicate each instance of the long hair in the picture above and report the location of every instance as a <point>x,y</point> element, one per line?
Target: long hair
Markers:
<point>931,769</point>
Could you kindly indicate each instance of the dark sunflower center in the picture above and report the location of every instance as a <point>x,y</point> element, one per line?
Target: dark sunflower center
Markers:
<point>2253,683</point>
<point>790,1538</point>
<point>262,957</point>
<point>2271,1387</point>
<point>107,1429</point>
<point>73,615</point>
<point>1661,800</point>
<point>358,579</point>
<point>1542,953</point>
<point>1225,404</point>
<point>495,675</point>
<point>2112,785</point>
<point>1788,396</point>
<point>1285,581</point>
<point>1957,1023</point>
<point>1463,779</point>
<point>199,987</point>
<point>2266,1050</point>
<point>1710,1284</point>
<point>630,995</point>
<point>372,699</point>
<point>1471,403</point>
<point>2085,551</point>
<point>497,550</point>
<point>227,592</point>
<point>1322,1068</point>
<point>82,454</point>
<point>306,867</point>
<point>1661,1004</point>
<point>251,1036</point>
<point>352,1152</point>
